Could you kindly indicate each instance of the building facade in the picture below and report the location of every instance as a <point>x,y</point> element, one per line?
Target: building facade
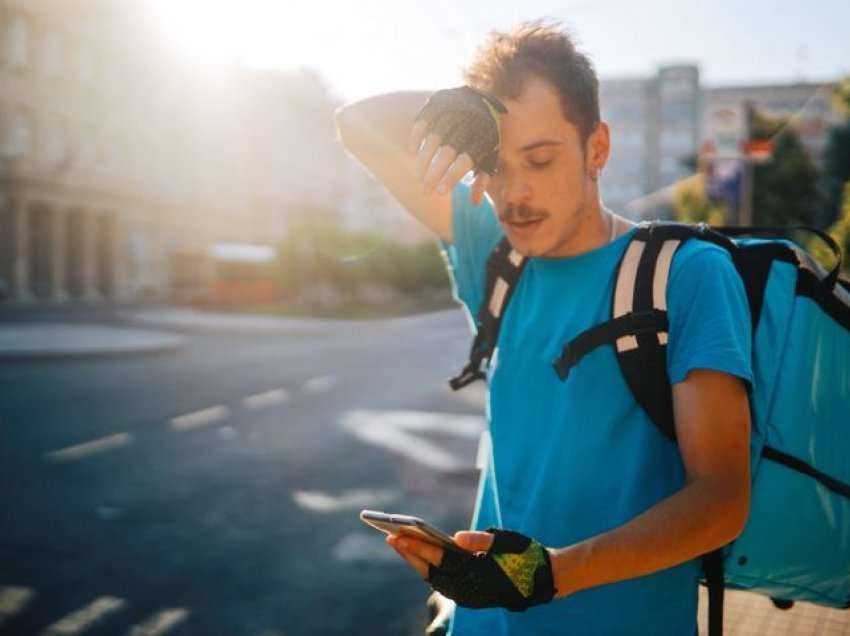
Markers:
<point>114,155</point>
<point>659,125</point>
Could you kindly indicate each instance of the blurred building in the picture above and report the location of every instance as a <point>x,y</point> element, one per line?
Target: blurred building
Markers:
<point>114,155</point>
<point>660,123</point>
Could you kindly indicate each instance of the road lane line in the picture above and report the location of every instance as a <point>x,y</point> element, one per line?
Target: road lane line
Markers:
<point>85,617</point>
<point>198,419</point>
<point>400,432</point>
<point>160,623</point>
<point>318,501</point>
<point>320,384</point>
<point>85,449</point>
<point>265,399</point>
<point>12,600</point>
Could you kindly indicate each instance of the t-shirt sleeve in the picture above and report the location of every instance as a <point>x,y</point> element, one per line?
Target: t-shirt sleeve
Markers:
<point>709,317</point>
<point>475,232</point>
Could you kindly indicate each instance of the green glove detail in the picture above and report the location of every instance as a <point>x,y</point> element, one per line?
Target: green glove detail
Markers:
<point>516,573</point>
<point>467,120</point>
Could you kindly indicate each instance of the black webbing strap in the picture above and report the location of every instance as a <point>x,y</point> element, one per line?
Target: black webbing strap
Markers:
<point>712,566</point>
<point>502,274</point>
<point>831,278</point>
<point>789,461</point>
<point>633,324</point>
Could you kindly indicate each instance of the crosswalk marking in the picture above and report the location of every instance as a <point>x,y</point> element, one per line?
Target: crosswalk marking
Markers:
<point>318,501</point>
<point>160,623</point>
<point>85,617</point>
<point>400,432</point>
<point>90,448</point>
<point>320,384</point>
<point>265,399</point>
<point>197,419</point>
<point>12,600</point>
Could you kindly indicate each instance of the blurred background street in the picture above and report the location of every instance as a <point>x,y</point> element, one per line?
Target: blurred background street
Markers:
<point>220,338</point>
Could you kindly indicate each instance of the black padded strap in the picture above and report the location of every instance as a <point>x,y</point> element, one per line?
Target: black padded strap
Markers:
<point>633,324</point>
<point>504,268</point>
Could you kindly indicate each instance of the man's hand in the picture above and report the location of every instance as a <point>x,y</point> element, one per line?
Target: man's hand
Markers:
<point>457,131</point>
<point>504,569</point>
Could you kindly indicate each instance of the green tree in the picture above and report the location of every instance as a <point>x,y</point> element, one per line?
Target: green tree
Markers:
<point>836,158</point>
<point>784,188</point>
<point>691,203</point>
<point>840,231</point>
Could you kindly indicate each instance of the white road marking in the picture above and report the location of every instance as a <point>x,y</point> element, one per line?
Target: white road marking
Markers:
<point>12,600</point>
<point>359,547</point>
<point>317,501</point>
<point>204,417</point>
<point>397,432</point>
<point>320,384</point>
<point>90,448</point>
<point>474,394</point>
<point>160,623</point>
<point>86,617</point>
<point>265,399</point>
<point>484,450</point>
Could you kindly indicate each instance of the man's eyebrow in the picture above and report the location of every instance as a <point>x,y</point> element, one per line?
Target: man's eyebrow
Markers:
<point>538,144</point>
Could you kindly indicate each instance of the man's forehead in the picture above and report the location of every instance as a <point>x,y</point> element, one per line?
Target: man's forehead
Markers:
<point>535,119</point>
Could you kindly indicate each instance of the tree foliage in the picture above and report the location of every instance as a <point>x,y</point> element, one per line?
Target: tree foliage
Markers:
<point>323,254</point>
<point>784,188</point>
<point>840,231</point>
<point>836,158</point>
<point>692,205</point>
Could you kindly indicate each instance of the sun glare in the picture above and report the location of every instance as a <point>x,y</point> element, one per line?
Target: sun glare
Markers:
<point>209,32</point>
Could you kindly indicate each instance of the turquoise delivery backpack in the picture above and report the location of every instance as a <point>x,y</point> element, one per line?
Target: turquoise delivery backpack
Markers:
<point>796,544</point>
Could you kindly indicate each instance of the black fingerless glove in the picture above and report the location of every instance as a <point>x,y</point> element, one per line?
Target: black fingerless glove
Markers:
<point>467,120</point>
<point>516,573</point>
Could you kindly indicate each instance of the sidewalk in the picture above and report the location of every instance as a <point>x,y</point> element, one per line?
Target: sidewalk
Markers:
<point>25,341</point>
<point>748,614</point>
<point>209,321</point>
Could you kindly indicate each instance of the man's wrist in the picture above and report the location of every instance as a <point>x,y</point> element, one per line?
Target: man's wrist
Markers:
<point>567,568</point>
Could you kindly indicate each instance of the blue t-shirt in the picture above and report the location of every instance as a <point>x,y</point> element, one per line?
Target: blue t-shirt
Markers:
<point>573,459</point>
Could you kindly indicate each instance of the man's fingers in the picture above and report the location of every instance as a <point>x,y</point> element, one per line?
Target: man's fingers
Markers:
<point>444,158</point>
<point>417,134</point>
<point>474,541</point>
<point>459,167</point>
<point>426,154</point>
<point>413,559</point>
<point>479,187</point>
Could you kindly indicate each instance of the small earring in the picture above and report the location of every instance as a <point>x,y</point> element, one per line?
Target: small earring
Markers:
<point>594,173</point>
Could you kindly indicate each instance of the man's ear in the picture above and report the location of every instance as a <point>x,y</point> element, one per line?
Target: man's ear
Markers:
<point>598,148</point>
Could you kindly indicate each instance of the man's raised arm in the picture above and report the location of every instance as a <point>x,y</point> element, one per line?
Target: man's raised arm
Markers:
<point>377,131</point>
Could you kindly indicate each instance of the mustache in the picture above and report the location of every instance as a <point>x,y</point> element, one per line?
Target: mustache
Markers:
<point>513,213</point>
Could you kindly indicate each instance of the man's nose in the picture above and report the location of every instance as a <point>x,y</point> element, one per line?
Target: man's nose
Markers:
<point>514,190</point>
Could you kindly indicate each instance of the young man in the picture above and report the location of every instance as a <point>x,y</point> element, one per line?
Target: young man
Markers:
<point>610,515</point>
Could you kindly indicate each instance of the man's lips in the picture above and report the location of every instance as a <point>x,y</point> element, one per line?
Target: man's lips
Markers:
<point>524,227</point>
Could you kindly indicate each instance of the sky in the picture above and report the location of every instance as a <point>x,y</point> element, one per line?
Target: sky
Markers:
<point>365,47</point>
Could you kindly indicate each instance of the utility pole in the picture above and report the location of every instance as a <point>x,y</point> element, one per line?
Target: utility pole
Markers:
<point>745,200</point>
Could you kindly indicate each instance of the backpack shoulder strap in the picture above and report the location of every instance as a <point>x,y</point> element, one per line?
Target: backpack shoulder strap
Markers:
<point>504,268</point>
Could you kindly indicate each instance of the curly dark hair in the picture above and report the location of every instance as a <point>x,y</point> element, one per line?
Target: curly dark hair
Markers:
<point>545,50</point>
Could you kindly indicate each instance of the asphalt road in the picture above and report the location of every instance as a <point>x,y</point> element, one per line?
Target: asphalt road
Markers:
<point>215,490</point>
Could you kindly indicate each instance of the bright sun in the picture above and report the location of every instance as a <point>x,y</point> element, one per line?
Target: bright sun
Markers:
<point>220,32</point>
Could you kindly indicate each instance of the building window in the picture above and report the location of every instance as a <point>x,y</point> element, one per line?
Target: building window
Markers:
<point>16,36</point>
<point>55,145</point>
<point>51,53</point>
<point>17,135</point>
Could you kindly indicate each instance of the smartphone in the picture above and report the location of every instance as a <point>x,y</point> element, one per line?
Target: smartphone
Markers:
<point>412,526</point>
